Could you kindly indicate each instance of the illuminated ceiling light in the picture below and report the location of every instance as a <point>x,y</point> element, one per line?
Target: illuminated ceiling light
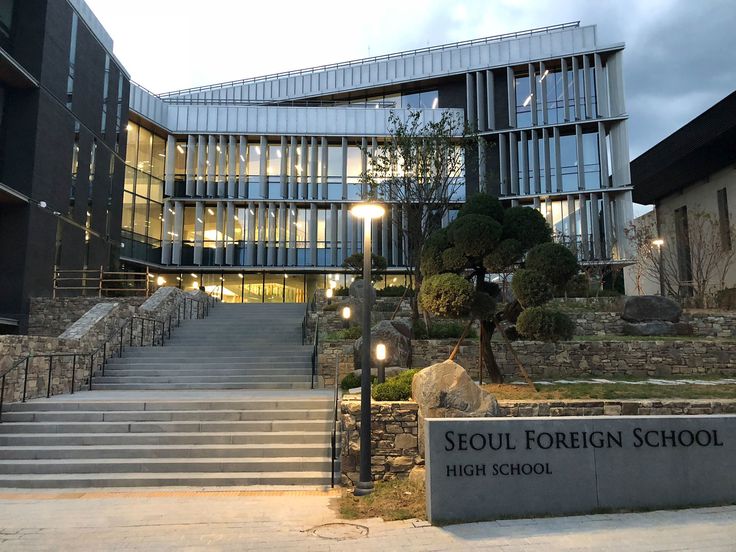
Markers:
<point>435,103</point>
<point>171,211</point>
<point>273,214</point>
<point>210,211</point>
<point>278,153</point>
<point>545,74</point>
<point>528,100</point>
<point>161,155</point>
<point>193,275</point>
<point>179,148</point>
<point>251,212</point>
<point>200,220</point>
<point>293,213</point>
<point>367,210</point>
<point>241,276</point>
<point>258,150</point>
<point>236,217</point>
<point>178,278</point>
<point>129,127</point>
<point>218,149</point>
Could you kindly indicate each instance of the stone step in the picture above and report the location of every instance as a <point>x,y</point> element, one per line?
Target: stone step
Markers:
<point>164,415</point>
<point>165,427</point>
<point>235,359</point>
<point>205,378</point>
<point>163,465</point>
<point>170,404</point>
<point>262,450</point>
<point>180,479</point>
<point>173,371</point>
<point>195,386</point>
<point>157,438</point>
<point>212,351</point>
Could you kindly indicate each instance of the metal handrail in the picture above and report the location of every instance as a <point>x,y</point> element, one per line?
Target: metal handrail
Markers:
<point>315,351</point>
<point>334,425</point>
<point>361,61</point>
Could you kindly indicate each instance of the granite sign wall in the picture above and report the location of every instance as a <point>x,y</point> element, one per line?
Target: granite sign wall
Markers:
<point>490,468</point>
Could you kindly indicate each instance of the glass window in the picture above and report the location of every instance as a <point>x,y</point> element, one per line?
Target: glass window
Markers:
<point>141,184</point>
<point>273,291</point>
<point>180,159</point>
<point>157,189</point>
<point>140,220</point>
<point>429,99</point>
<point>145,145</point>
<point>254,159</point>
<point>155,214</point>
<point>591,162</point>
<point>127,211</point>
<point>253,288</point>
<point>129,179</point>
<point>189,220</point>
<point>569,163</point>
<point>158,157</point>
<point>524,99</point>
<point>274,160</point>
<point>354,164</point>
<point>131,151</point>
<point>334,161</point>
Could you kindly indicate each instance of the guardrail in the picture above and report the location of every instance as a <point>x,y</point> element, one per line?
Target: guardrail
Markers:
<point>100,282</point>
<point>333,451</point>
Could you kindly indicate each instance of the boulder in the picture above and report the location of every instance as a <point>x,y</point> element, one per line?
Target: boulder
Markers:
<point>648,308</point>
<point>657,328</point>
<point>395,335</point>
<point>445,390</point>
<point>356,291</point>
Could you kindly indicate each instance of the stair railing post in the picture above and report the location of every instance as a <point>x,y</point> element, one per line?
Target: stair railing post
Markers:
<point>25,377</point>
<point>2,397</point>
<point>104,357</point>
<point>48,384</point>
<point>74,371</point>
<point>91,368</point>
<point>131,331</point>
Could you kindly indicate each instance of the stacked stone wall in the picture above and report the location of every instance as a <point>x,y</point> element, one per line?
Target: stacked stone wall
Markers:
<point>50,317</point>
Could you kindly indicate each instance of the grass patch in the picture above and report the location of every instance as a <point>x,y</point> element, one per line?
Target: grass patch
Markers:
<point>353,332</point>
<point>390,500</point>
<point>612,391</point>
<point>653,338</point>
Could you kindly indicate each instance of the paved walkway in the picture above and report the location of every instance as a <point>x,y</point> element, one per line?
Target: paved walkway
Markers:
<point>285,521</point>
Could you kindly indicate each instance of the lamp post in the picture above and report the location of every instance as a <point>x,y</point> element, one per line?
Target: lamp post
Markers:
<point>328,294</point>
<point>346,316</point>
<point>367,211</point>
<point>659,242</point>
<point>381,357</point>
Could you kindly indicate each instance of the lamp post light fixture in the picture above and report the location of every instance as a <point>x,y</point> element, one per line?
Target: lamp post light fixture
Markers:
<point>381,357</point>
<point>329,293</point>
<point>346,316</point>
<point>659,242</point>
<point>366,210</point>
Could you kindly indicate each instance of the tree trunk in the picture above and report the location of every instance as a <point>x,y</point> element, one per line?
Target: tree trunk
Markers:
<point>488,360</point>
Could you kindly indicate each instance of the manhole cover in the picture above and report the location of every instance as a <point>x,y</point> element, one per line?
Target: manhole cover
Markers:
<point>339,531</point>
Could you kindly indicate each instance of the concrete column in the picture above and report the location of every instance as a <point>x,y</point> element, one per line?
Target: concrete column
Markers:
<point>595,225</point>
<point>292,234</point>
<point>535,164</point>
<point>201,166</point>
<point>620,170</point>
<point>333,235</point>
<point>230,232</point>
<point>271,218</point>
<point>576,87</point>
<point>572,224</point>
<point>198,232</point>
<point>313,234</point>
<point>601,88</point>
<point>490,101</point>
<point>313,165</point>
<point>395,235</point>
<point>220,234</point>
<point>558,160</point>
<point>588,89</point>
<point>344,232</point>
<point>534,92</point>
<point>543,92</point>
<point>283,221</point>
<point>470,100</point>
<point>603,155</point>
<point>323,165</point>
<point>481,100</point>
<point>166,233</point>
<point>211,166</point>
<point>170,165</point>
<point>503,161</point>
<point>581,157</point>
<point>263,169</point>
<point>243,176</point>
<point>607,238</point>
<point>624,215</point>
<point>524,159</point>
<point>191,177</point>
<point>262,230</point>
<point>284,168</point>
<point>514,163</point>
<point>178,233</point>
<point>232,154</point>
<point>304,164</point>
<point>363,165</point>
<point>344,169</point>
<point>293,172</point>
<point>511,93</point>
<point>565,88</point>
<point>250,233</point>
<point>547,163</point>
<point>584,229</point>
<point>482,176</point>
<point>222,167</point>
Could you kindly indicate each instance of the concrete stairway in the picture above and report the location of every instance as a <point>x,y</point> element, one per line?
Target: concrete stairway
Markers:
<point>102,440</point>
<point>251,346</point>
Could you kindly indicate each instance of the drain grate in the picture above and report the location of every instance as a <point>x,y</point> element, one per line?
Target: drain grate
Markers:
<point>339,531</point>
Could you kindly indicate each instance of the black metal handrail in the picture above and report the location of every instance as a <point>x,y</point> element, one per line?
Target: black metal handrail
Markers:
<point>315,351</point>
<point>333,452</point>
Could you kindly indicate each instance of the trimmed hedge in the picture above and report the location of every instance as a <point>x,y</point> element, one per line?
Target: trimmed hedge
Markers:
<point>397,388</point>
<point>353,332</point>
<point>531,288</point>
<point>545,324</point>
<point>352,380</point>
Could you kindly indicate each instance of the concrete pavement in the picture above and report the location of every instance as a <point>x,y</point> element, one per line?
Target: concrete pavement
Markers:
<point>264,519</point>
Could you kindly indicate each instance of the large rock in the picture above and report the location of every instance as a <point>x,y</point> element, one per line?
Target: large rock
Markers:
<point>647,308</point>
<point>657,328</point>
<point>445,390</point>
<point>356,291</point>
<point>395,335</point>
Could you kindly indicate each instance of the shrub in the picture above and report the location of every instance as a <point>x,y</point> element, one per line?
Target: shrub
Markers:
<point>526,225</point>
<point>578,286</point>
<point>474,235</point>
<point>397,388</point>
<point>726,299</point>
<point>545,324</point>
<point>393,291</point>
<point>352,380</point>
<point>506,255</point>
<point>555,261</point>
<point>446,295</point>
<point>332,307</point>
<point>354,263</point>
<point>482,204</point>
<point>440,330</point>
<point>353,332</point>
<point>531,288</point>
<point>341,292</point>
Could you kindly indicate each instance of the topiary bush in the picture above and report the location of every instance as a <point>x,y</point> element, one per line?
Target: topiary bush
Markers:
<point>447,295</point>
<point>353,332</point>
<point>545,324</point>
<point>525,225</point>
<point>555,261</point>
<point>397,388</point>
<point>352,380</point>
<point>393,291</point>
<point>578,286</point>
<point>531,288</point>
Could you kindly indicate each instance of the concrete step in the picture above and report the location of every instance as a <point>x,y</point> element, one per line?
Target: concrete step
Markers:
<point>193,386</point>
<point>164,415</point>
<point>297,369</point>
<point>204,378</point>
<point>229,360</point>
<point>262,450</point>
<point>165,427</point>
<point>173,479</point>
<point>52,404</point>
<point>194,438</point>
<point>214,351</point>
<point>163,465</point>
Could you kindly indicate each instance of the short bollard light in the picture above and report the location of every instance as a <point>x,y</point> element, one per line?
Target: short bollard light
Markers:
<point>329,293</point>
<point>381,357</point>
<point>346,315</point>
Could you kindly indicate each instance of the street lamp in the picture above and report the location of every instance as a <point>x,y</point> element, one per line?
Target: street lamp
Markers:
<point>367,211</point>
<point>381,357</point>
<point>328,294</point>
<point>346,316</point>
<point>659,242</point>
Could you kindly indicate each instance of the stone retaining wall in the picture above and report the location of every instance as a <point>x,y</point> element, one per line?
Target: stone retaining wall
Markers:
<point>50,317</point>
<point>394,429</point>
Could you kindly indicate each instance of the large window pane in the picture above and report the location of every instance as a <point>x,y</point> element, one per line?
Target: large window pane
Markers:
<point>140,220</point>
<point>127,211</point>
<point>158,157</point>
<point>145,145</point>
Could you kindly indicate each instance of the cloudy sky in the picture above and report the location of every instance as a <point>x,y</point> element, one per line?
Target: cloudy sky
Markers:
<point>679,53</point>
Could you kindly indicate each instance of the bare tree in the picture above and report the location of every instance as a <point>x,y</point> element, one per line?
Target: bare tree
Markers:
<point>420,169</point>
